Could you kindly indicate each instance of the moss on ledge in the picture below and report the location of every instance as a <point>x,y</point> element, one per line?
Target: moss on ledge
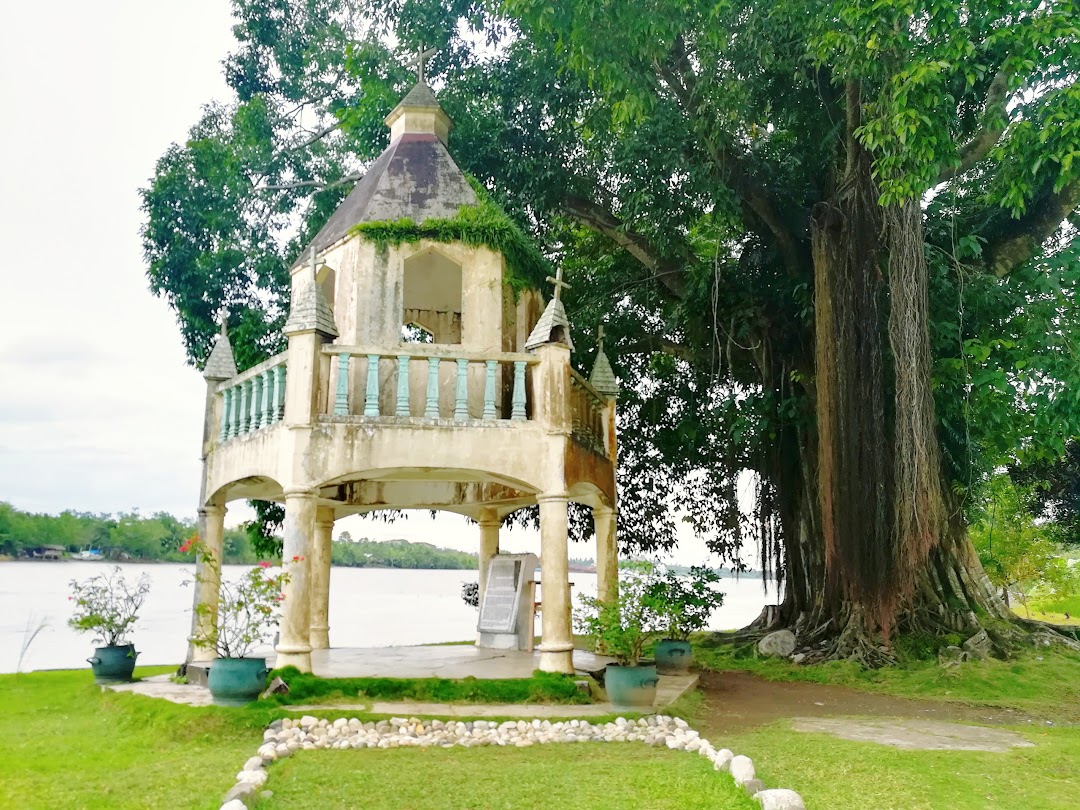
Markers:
<point>482,225</point>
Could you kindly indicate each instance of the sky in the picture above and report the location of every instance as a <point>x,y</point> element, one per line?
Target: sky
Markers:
<point>98,410</point>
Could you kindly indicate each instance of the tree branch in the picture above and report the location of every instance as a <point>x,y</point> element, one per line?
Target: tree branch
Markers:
<point>995,120</point>
<point>599,219</point>
<point>653,343</point>
<point>1023,239</point>
<point>731,168</point>
<point>316,185</point>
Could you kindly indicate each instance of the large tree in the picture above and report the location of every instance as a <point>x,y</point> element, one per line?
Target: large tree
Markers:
<point>830,241</point>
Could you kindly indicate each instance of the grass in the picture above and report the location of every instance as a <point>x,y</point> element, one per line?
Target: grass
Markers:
<point>1045,683</point>
<point>542,687</point>
<point>68,744</point>
<point>587,776</point>
<point>1054,610</point>
<point>838,774</point>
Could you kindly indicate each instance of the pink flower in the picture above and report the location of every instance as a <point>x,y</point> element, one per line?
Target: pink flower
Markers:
<point>297,559</point>
<point>264,564</point>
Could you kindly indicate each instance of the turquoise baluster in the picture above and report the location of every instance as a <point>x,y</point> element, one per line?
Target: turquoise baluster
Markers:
<point>371,401</point>
<point>489,390</point>
<point>234,411</point>
<point>432,409</point>
<point>267,397</point>
<point>461,401</point>
<point>256,402</point>
<point>341,401</point>
<point>279,392</point>
<point>517,412</point>
<point>226,401</point>
<point>245,395</point>
<point>402,407</point>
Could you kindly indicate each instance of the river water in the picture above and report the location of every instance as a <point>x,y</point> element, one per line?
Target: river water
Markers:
<point>369,607</point>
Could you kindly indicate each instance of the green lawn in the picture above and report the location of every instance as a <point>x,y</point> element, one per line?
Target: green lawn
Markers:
<point>1046,683</point>
<point>842,775</point>
<point>586,776</point>
<point>70,745</point>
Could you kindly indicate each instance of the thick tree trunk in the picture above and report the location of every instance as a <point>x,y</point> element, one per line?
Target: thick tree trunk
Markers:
<point>868,549</point>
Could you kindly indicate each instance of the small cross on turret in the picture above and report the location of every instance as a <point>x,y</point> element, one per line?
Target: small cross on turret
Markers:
<point>418,61</point>
<point>559,283</point>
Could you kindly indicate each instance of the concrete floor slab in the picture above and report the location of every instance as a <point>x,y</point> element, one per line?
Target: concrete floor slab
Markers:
<point>917,735</point>
<point>452,662</point>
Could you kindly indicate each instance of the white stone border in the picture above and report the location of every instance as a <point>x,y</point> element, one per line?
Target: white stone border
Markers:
<point>287,736</point>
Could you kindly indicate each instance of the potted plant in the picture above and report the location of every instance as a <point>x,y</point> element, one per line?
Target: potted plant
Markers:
<point>685,604</point>
<point>244,619</point>
<point>108,607</point>
<point>623,627</point>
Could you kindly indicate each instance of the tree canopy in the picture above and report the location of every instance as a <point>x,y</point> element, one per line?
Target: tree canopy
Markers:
<point>833,243</point>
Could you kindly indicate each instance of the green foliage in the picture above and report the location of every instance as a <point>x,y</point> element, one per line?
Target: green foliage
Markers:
<point>623,627</point>
<point>398,554</point>
<point>686,601</point>
<point>246,612</point>
<point>123,537</point>
<point>1016,552</point>
<point>107,606</point>
<point>481,225</point>
<point>264,532</point>
<point>542,687</point>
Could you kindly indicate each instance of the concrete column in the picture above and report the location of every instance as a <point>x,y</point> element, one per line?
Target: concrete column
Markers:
<point>294,646</point>
<point>607,554</point>
<point>211,528</point>
<point>556,643</point>
<point>489,544</point>
<point>320,578</point>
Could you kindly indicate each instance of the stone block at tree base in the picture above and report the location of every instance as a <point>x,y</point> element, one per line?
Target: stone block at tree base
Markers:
<point>781,643</point>
<point>779,799</point>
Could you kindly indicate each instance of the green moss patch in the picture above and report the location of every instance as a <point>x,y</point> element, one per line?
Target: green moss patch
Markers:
<point>481,225</point>
<point>542,687</point>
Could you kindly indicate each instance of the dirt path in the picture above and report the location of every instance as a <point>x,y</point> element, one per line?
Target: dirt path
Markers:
<point>738,701</point>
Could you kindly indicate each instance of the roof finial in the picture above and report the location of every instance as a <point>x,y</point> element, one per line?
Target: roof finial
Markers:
<point>225,323</point>
<point>602,377</point>
<point>600,338</point>
<point>558,282</point>
<point>418,60</point>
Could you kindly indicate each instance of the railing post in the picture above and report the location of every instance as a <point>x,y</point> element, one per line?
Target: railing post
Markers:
<point>431,411</point>
<point>341,400</point>
<point>226,401</point>
<point>245,396</point>
<point>267,396</point>
<point>234,411</point>
<point>371,400</point>
<point>489,389</point>
<point>256,403</point>
<point>517,412</point>
<point>279,391</point>
<point>402,406</point>
<point>461,398</point>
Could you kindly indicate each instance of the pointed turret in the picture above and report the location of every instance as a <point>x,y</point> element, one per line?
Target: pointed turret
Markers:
<point>602,377</point>
<point>414,178</point>
<point>221,365</point>
<point>553,326</point>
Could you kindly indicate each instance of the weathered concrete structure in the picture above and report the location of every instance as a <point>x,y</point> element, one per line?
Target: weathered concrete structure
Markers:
<point>486,418</point>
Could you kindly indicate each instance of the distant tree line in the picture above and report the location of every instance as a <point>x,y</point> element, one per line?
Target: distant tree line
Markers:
<point>127,536</point>
<point>397,554</point>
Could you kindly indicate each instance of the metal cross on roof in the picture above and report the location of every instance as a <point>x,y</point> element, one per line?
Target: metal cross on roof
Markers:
<point>558,282</point>
<point>315,264</point>
<point>418,60</point>
<point>600,338</point>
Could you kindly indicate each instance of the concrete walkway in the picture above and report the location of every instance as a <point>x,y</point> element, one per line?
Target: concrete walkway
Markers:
<point>915,735</point>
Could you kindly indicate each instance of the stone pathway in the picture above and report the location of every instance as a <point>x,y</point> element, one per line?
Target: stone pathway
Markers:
<point>670,689</point>
<point>915,735</point>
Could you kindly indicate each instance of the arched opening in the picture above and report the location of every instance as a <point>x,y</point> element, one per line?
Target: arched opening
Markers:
<point>326,278</point>
<point>432,298</point>
<point>416,333</point>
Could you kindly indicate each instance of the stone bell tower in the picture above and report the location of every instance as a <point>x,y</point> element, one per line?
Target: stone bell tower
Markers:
<point>420,374</point>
